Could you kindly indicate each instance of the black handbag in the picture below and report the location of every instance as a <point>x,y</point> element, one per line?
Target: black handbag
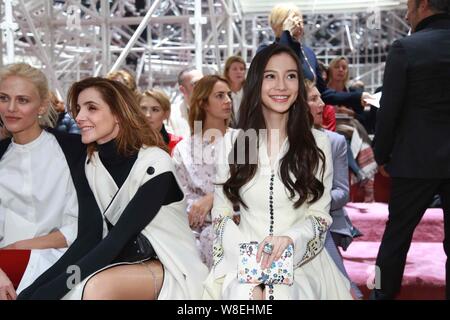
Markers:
<point>137,249</point>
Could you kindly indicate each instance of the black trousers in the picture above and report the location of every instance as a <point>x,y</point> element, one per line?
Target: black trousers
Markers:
<point>408,202</point>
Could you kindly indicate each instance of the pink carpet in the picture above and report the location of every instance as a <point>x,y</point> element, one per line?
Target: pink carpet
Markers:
<point>424,276</point>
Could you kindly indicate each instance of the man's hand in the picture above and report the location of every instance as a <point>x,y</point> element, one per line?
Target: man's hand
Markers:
<point>7,291</point>
<point>366,96</point>
<point>383,171</point>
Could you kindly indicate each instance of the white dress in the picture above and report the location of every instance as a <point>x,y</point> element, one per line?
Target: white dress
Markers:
<point>37,197</point>
<point>168,232</point>
<point>194,160</point>
<point>315,274</point>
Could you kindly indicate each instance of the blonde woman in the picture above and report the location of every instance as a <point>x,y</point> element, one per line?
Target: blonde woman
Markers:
<point>38,203</point>
<point>155,104</point>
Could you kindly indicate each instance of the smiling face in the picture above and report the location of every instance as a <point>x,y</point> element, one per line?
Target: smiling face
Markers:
<point>280,84</point>
<point>96,121</point>
<point>316,105</point>
<point>154,112</point>
<point>20,106</point>
<point>219,102</point>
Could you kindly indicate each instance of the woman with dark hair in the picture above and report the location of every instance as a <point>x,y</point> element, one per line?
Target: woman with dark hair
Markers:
<point>281,178</point>
<point>135,243</point>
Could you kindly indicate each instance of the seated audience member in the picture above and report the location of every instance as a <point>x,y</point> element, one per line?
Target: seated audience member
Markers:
<point>234,72</point>
<point>38,202</point>
<point>134,240</point>
<point>360,154</point>
<point>65,122</point>
<point>285,206</point>
<point>341,231</point>
<point>155,104</point>
<point>195,157</point>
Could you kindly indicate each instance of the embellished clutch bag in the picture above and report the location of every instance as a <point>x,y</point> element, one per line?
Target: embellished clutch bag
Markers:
<point>249,271</point>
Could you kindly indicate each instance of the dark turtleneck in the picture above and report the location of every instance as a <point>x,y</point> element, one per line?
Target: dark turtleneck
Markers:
<point>117,165</point>
<point>164,134</point>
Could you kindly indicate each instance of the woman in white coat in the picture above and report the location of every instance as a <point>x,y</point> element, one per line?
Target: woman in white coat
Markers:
<point>143,247</point>
<point>281,180</point>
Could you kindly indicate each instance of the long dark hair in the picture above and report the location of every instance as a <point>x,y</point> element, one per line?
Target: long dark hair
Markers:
<point>302,160</point>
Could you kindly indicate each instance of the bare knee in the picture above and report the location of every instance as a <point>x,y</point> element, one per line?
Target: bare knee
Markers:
<point>98,289</point>
<point>257,293</point>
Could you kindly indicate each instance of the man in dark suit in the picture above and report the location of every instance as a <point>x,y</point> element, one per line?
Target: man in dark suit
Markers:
<point>412,141</point>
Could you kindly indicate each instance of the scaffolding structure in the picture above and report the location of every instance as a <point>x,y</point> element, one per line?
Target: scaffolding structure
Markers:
<point>156,39</point>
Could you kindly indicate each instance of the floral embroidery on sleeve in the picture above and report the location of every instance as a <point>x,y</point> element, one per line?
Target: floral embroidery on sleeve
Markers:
<point>315,245</point>
<point>219,227</point>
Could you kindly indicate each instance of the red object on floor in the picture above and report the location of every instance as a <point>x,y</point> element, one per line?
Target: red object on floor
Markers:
<point>424,276</point>
<point>14,263</point>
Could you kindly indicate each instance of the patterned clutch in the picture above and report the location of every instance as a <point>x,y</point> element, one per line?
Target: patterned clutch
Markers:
<point>249,271</point>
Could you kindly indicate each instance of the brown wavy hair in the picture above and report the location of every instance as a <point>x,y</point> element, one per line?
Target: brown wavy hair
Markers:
<point>135,132</point>
<point>303,158</point>
<point>199,99</point>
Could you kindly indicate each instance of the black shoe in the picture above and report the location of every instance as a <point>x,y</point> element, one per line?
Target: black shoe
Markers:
<point>377,294</point>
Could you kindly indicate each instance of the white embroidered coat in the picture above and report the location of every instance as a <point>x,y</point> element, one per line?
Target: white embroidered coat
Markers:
<point>315,274</point>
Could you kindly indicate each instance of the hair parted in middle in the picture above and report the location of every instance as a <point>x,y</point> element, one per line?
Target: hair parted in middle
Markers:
<point>199,99</point>
<point>134,130</point>
<point>301,162</point>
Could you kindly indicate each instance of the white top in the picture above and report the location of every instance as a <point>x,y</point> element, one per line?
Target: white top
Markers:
<point>315,273</point>
<point>178,123</point>
<point>236,97</point>
<point>194,160</point>
<point>37,195</point>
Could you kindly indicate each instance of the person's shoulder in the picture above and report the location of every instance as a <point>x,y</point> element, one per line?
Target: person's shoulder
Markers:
<point>335,136</point>
<point>4,143</point>
<point>322,140</point>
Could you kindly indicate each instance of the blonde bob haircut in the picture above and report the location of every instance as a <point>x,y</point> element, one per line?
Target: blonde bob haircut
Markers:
<point>135,132</point>
<point>159,96</point>
<point>333,64</point>
<point>125,77</point>
<point>199,99</point>
<point>228,64</point>
<point>39,80</point>
<point>279,14</point>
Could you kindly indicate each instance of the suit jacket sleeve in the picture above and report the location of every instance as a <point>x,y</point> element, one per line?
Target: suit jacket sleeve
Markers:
<point>392,102</point>
<point>340,189</point>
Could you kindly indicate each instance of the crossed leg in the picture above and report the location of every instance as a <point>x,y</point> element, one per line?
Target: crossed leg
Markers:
<point>127,282</point>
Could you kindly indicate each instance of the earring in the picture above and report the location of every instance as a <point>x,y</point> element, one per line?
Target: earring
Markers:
<point>40,116</point>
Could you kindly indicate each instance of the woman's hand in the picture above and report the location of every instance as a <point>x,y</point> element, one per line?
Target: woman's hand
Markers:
<point>293,24</point>
<point>279,245</point>
<point>7,291</point>
<point>199,210</point>
<point>19,245</point>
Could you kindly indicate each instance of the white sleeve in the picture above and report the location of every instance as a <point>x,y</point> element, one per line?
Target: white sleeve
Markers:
<point>69,227</point>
